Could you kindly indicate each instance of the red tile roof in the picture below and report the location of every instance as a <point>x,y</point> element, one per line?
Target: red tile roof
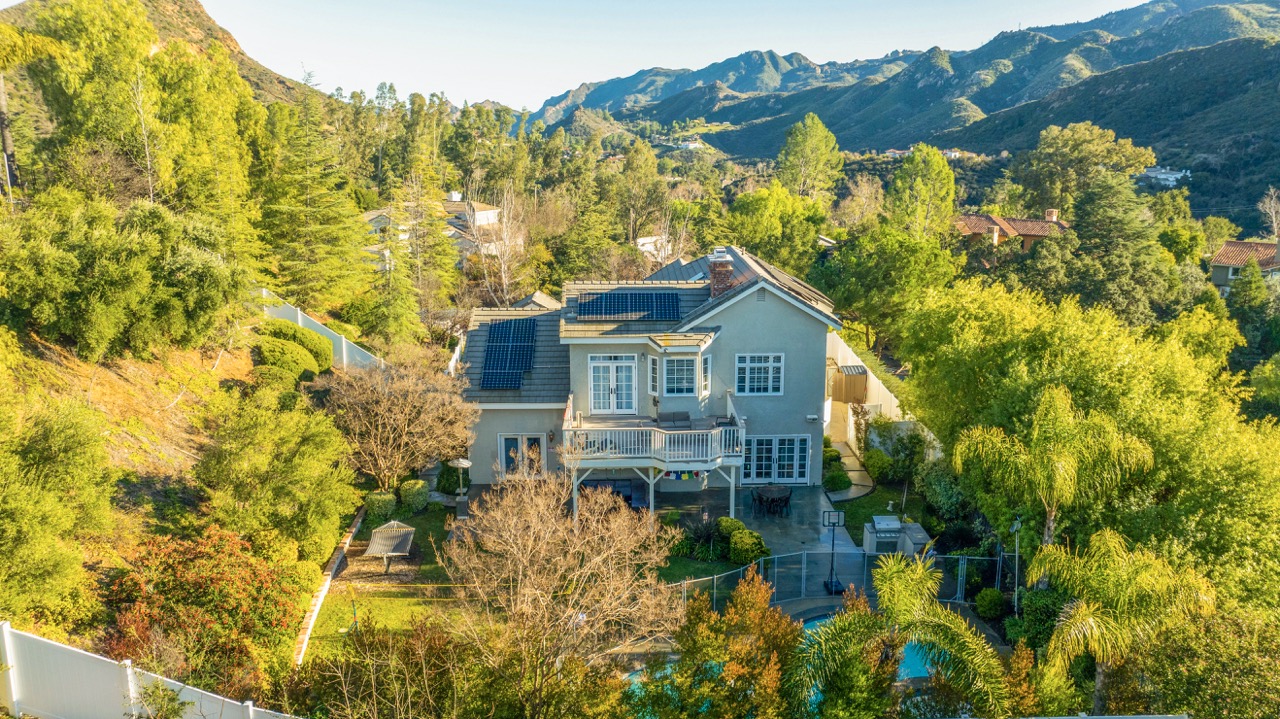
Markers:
<point>1236,254</point>
<point>1009,226</point>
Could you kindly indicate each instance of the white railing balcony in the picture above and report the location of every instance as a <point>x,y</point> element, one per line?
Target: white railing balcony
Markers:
<point>630,439</point>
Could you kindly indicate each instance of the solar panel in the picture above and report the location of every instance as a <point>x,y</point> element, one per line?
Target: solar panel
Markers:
<point>654,306</point>
<point>508,353</point>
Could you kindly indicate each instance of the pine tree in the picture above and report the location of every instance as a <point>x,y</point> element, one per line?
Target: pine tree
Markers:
<point>311,223</point>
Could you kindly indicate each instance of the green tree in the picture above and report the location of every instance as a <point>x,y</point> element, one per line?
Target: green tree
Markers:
<point>1122,601</point>
<point>1068,457</point>
<point>907,593</point>
<point>729,665</point>
<point>922,194</point>
<point>278,477</point>
<point>1068,160</point>
<point>55,491</point>
<point>310,222</point>
<point>810,161</point>
<point>18,48</point>
<point>1249,300</point>
<point>641,190</point>
<point>779,226</point>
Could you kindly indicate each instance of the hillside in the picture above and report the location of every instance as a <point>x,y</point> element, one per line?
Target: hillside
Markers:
<point>187,20</point>
<point>1224,132</point>
<point>750,72</point>
<point>944,90</point>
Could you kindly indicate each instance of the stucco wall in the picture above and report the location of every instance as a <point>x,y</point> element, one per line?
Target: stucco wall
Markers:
<point>485,450</point>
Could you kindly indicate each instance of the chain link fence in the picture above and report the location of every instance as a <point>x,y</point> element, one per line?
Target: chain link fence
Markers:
<point>806,575</point>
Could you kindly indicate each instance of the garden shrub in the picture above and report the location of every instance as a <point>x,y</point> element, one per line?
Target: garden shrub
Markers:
<point>990,603</point>
<point>683,546</point>
<point>746,546</point>
<point>940,489</point>
<point>830,457</point>
<point>726,527</point>
<point>826,441</point>
<point>415,494</point>
<point>379,506</point>
<point>447,480</point>
<point>273,378</point>
<point>1040,610</point>
<point>878,464</point>
<point>345,329</point>
<point>670,518</point>
<point>707,544</point>
<point>313,342</point>
<point>288,356</point>
<point>835,479</point>
<point>288,400</point>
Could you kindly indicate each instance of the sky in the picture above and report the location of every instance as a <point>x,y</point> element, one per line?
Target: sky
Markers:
<point>522,52</point>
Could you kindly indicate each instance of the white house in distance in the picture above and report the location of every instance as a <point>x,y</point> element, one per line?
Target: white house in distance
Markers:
<point>1164,176</point>
<point>720,371</point>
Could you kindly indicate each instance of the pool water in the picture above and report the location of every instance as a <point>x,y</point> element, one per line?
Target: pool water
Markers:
<point>912,666</point>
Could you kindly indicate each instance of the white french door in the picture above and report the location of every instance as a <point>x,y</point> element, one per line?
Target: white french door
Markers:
<point>783,459</point>
<point>613,384</point>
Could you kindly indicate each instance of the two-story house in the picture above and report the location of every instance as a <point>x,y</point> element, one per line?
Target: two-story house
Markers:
<point>709,373</point>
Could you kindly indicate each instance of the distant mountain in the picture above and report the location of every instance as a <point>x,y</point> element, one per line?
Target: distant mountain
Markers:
<point>1213,110</point>
<point>907,97</point>
<point>187,20</point>
<point>941,90</point>
<point>750,72</point>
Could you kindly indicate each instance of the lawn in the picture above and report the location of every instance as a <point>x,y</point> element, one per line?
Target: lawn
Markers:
<point>681,568</point>
<point>858,512</point>
<point>429,524</point>
<point>392,608</point>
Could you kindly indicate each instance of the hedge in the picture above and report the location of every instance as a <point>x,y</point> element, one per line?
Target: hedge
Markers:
<point>727,527</point>
<point>415,493</point>
<point>318,345</point>
<point>835,479</point>
<point>379,506</point>
<point>288,356</point>
<point>878,464</point>
<point>830,456</point>
<point>746,546</point>
<point>275,378</point>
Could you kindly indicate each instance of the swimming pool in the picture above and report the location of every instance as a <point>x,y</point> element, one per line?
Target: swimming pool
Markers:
<point>912,666</point>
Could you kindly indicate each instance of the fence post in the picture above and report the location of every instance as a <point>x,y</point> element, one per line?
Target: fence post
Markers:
<point>715,582</point>
<point>8,672</point>
<point>804,573</point>
<point>248,710</point>
<point>133,697</point>
<point>684,590</point>
<point>344,352</point>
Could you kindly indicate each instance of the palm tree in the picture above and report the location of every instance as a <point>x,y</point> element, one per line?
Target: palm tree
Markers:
<point>907,589</point>
<point>18,48</point>
<point>1121,600</point>
<point>1068,456</point>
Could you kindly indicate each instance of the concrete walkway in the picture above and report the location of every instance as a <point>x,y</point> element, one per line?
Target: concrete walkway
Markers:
<point>802,530</point>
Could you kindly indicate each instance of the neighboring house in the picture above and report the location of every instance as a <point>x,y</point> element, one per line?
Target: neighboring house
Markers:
<point>709,373</point>
<point>378,220</point>
<point>538,300</point>
<point>1225,266</point>
<point>690,144</point>
<point>475,227</point>
<point>656,248</point>
<point>1164,176</point>
<point>998,230</point>
<point>896,154</point>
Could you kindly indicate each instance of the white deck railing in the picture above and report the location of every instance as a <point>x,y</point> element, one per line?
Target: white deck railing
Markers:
<point>652,443</point>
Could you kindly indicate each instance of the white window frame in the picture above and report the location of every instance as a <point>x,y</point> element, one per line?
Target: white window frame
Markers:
<point>704,380</point>
<point>800,458</point>
<point>655,375</point>
<point>523,443</point>
<point>667,377</point>
<point>1233,272</point>
<point>775,361</point>
<point>615,359</point>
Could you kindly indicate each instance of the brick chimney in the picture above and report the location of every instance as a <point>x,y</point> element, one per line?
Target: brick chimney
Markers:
<point>721,271</point>
<point>1051,215</point>
<point>994,231</point>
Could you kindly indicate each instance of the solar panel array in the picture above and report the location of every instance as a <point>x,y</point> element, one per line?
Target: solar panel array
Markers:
<point>508,353</point>
<point>656,306</point>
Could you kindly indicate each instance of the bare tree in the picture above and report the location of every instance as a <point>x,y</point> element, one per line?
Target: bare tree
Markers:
<point>401,416</point>
<point>544,593</point>
<point>675,226</point>
<point>139,93</point>
<point>501,259</point>
<point>1269,206</point>
<point>864,202</point>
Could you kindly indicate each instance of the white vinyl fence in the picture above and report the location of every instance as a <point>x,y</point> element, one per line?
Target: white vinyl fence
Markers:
<point>345,352</point>
<point>45,679</point>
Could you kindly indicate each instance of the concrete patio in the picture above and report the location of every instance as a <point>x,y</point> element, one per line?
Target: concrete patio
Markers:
<point>801,531</point>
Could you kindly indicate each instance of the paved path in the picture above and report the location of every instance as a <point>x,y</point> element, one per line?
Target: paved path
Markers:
<point>802,530</point>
